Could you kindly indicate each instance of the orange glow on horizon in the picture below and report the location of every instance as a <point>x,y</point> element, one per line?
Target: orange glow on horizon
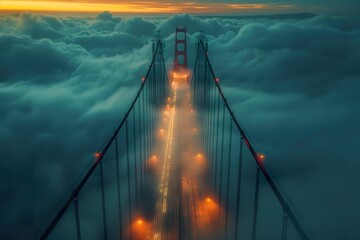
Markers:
<point>136,6</point>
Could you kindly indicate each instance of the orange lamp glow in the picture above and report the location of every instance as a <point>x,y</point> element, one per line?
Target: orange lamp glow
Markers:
<point>141,229</point>
<point>212,207</point>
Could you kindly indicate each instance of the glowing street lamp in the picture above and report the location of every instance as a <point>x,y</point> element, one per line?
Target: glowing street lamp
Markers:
<point>153,161</point>
<point>141,229</point>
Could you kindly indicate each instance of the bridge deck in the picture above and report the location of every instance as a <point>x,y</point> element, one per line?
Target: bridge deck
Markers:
<point>183,160</point>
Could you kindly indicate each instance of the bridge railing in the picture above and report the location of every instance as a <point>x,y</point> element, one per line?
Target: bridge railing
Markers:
<point>252,205</point>
<point>108,197</point>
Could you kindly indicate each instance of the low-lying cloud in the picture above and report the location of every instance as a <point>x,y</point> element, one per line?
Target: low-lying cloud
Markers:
<point>293,82</point>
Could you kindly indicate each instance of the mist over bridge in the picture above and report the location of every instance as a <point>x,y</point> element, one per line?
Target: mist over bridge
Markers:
<point>191,170</point>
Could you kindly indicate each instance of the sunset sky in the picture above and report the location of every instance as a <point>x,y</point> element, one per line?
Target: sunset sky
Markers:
<point>174,6</point>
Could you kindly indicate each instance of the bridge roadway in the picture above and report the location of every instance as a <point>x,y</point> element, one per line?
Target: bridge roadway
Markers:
<point>182,208</point>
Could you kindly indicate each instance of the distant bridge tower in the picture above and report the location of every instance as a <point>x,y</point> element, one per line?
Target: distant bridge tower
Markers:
<point>180,71</point>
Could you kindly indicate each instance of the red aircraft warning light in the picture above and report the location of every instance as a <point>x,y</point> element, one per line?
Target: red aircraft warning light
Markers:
<point>97,156</point>
<point>261,157</point>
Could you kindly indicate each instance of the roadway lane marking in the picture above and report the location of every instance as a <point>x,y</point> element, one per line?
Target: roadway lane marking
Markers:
<point>165,176</point>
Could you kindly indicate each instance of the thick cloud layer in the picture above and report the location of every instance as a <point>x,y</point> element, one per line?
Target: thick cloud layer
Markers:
<point>293,82</point>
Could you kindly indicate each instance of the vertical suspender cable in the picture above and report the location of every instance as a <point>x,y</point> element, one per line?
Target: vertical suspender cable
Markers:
<point>103,199</point>
<point>284,230</point>
<point>222,158</point>
<point>128,171</point>
<point>118,185</point>
<point>135,157</point>
<point>143,138</point>
<point>238,190</point>
<point>256,203</point>
<point>206,124</point>
<point>210,134</point>
<point>213,101</point>
<point>147,121</point>
<point>228,180</point>
<point>207,107</point>
<point>77,218</point>
<point>140,151</point>
<point>217,142</point>
<point>152,104</point>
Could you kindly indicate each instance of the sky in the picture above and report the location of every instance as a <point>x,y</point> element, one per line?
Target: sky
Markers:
<point>345,7</point>
<point>293,82</point>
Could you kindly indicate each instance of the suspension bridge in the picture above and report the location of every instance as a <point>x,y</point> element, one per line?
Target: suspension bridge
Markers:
<point>177,166</point>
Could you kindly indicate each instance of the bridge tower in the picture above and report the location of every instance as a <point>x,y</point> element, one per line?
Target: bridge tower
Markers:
<point>180,71</point>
